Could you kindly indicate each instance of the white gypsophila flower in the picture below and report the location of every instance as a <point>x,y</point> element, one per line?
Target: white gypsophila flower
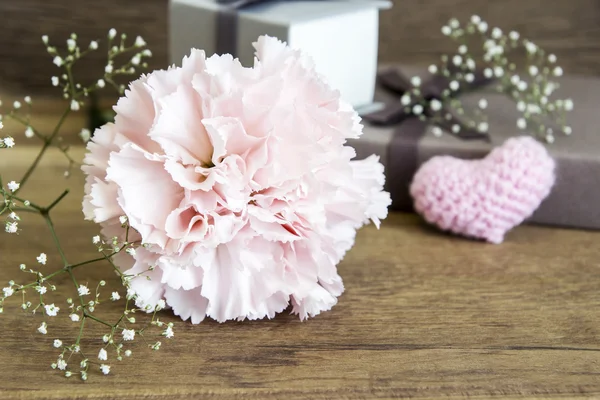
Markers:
<point>11,227</point>
<point>521,123</point>
<point>550,138</point>
<point>446,30</point>
<point>567,130</point>
<point>454,24</point>
<point>58,61</point>
<point>74,317</point>
<point>498,71</point>
<point>521,106</point>
<point>61,364</point>
<point>43,328</point>
<point>436,131</point>
<point>112,33</point>
<point>96,239</point>
<point>45,39</point>
<point>93,45</point>
<point>488,73</point>
<point>168,333</point>
<point>544,100</point>
<point>462,49</point>
<point>27,99</point>
<point>417,109</point>
<point>533,70</point>
<point>483,127</point>
<point>128,334</point>
<point>557,71</point>
<point>29,132</point>
<point>514,35</point>
<point>515,79</point>
<point>135,60</point>
<point>71,44</point>
<point>8,291</point>
<point>476,19</point>
<point>455,128</point>
<point>9,142</point>
<point>100,83</point>
<point>102,355</point>
<point>108,69</point>
<point>496,33</point>
<point>435,105</point>
<point>123,219</point>
<point>115,296</point>
<point>76,348</point>
<point>127,353</point>
<point>57,343</point>
<point>482,27</point>
<point>140,42</point>
<point>105,369</point>
<point>41,289</point>
<point>530,47</point>
<point>74,105</point>
<point>469,77</point>
<point>147,53</point>
<point>42,258</point>
<point>106,338</point>
<point>13,186</point>
<point>17,105</point>
<point>51,310</point>
<point>457,60</point>
<point>470,63</point>
<point>405,99</point>
<point>160,305</point>
<point>130,251</point>
<point>130,293</point>
<point>432,69</point>
<point>14,216</point>
<point>415,81</point>
<point>454,85</point>
<point>568,104</point>
<point>1,124</point>
<point>483,103</point>
<point>551,58</point>
<point>85,135</point>
<point>54,80</point>
<point>83,290</point>
<point>522,86</point>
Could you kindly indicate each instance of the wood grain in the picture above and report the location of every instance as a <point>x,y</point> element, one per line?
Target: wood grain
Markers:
<point>409,32</point>
<point>425,315</point>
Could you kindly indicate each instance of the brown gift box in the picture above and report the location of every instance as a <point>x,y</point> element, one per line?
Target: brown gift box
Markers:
<point>575,197</point>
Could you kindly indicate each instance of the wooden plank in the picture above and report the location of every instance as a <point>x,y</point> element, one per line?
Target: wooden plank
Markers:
<point>424,315</point>
<point>409,33</point>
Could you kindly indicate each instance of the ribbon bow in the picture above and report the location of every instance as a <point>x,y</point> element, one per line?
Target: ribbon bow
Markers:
<point>432,89</point>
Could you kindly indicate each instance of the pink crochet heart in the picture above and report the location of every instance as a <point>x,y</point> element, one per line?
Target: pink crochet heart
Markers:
<point>484,198</point>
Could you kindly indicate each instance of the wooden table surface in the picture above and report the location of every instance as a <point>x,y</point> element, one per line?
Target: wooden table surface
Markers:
<point>424,315</point>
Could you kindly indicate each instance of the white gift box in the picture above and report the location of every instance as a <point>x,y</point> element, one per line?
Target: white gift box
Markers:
<point>340,36</point>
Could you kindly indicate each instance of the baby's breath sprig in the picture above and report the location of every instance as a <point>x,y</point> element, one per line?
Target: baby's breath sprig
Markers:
<point>34,293</point>
<point>488,50</point>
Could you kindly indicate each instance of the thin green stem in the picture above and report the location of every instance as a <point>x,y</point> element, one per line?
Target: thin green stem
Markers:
<point>55,238</point>
<point>58,199</point>
<point>47,144</point>
<point>86,315</point>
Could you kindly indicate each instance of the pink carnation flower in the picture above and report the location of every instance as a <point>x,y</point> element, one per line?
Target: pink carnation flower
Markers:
<point>238,183</point>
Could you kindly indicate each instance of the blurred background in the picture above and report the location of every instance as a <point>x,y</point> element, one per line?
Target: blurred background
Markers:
<point>409,32</point>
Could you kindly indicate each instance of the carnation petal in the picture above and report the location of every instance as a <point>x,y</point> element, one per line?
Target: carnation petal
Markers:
<point>187,304</point>
<point>146,189</point>
<point>179,130</point>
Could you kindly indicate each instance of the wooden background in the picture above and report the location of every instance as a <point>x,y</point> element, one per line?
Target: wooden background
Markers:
<point>410,32</point>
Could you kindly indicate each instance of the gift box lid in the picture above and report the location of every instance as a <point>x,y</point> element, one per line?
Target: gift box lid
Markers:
<point>281,12</point>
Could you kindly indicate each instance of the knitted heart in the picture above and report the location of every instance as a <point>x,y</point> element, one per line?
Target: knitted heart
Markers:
<point>484,198</point>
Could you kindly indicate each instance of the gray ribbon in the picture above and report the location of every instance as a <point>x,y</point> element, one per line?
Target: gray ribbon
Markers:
<point>227,23</point>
